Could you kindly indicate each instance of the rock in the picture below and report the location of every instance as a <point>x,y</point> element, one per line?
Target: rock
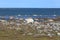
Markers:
<point>49,35</point>
<point>30,34</point>
<point>36,35</point>
<point>58,34</point>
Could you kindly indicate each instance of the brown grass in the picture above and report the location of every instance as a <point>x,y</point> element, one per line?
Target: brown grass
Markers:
<point>15,35</point>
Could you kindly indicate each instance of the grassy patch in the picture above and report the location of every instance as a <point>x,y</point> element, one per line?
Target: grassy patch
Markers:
<point>15,35</point>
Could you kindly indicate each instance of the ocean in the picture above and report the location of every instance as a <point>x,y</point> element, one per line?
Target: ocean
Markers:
<point>45,12</point>
<point>29,11</point>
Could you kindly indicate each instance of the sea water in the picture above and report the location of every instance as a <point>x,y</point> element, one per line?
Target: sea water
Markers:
<point>33,12</point>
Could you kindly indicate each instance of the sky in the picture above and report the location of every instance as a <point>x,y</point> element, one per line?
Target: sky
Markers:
<point>29,3</point>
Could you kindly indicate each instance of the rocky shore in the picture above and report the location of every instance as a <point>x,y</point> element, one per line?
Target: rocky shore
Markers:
<point>32,26</point>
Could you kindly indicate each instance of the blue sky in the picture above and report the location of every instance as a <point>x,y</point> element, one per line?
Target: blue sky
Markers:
<point>29,3</point>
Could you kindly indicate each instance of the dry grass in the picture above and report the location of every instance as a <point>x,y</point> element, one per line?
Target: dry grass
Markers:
<point>15,35</point>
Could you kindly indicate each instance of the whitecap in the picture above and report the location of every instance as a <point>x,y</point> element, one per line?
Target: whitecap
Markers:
<point>19,15</point>
<point>54,15</point>
<point>35,15</point>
